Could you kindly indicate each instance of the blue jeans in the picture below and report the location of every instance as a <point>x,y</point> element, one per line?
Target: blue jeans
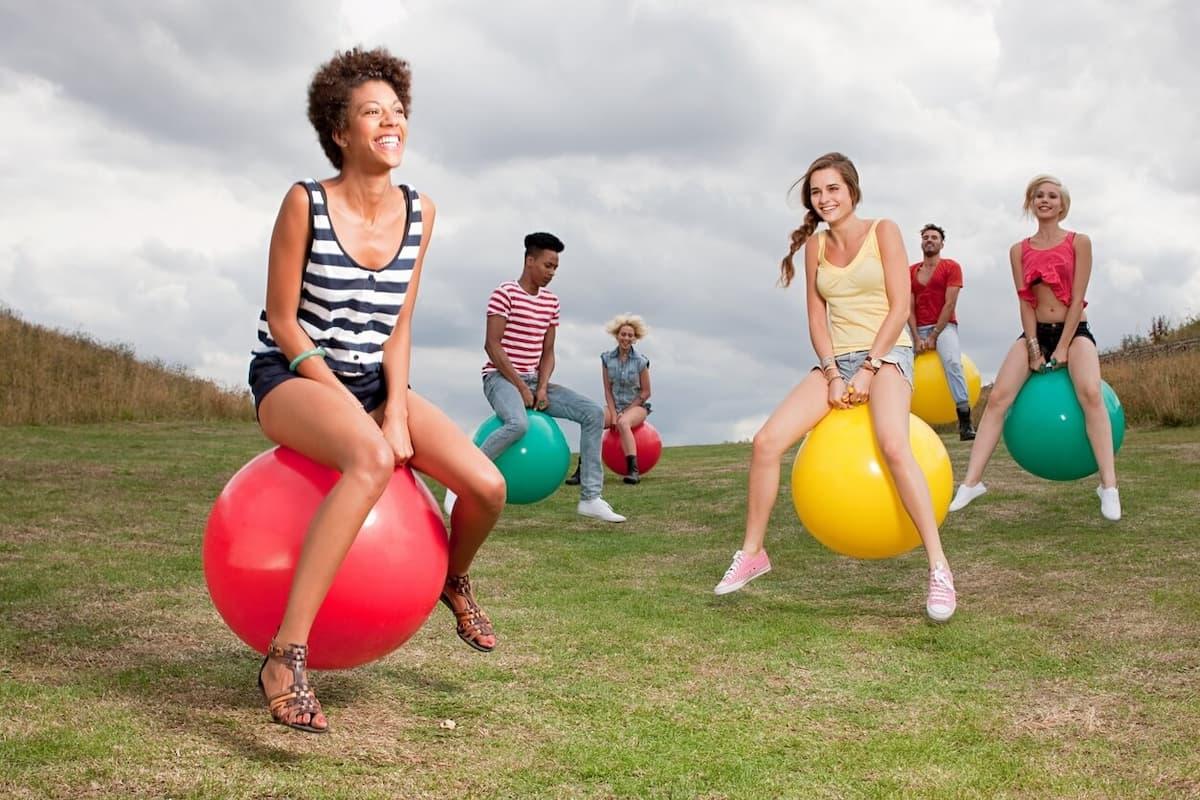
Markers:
<point>950,352</point>
<point>564,404</point>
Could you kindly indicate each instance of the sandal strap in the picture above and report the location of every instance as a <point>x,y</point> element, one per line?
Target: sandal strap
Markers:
<point>295,700</point>
<point>299,698</point>
<point>461,584</point>
<point>295,656</point>
<point>472,620</point>
<point>474,623</point>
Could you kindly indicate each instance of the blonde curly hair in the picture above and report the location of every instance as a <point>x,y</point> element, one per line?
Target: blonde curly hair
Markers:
<point>614,325</point>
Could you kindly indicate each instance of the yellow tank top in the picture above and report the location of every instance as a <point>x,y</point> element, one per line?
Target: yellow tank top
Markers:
<point>855,297</point>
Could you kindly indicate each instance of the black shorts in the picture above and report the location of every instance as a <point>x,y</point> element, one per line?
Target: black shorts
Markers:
<point>271,369</point>
<point>1049,334</point>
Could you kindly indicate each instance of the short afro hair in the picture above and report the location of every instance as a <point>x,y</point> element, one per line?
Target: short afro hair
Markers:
<point>537,242</point>
<point>329,92</point>
<point>931,227</point>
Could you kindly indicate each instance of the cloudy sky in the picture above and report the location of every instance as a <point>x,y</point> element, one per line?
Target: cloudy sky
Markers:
<point>146,147</point>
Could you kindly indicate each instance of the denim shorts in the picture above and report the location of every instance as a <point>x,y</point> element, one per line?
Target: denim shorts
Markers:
<point>645,405</point>
<point>1049,334</point>
<point>850,363</point>
<point>268,370</point>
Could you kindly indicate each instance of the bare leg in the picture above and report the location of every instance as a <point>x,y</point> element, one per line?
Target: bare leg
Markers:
<point>629,419</point>
<point>1084,365</point>
<point>1014,371</point>
<point>444,453</point>
<point>316,421</point>
<point>891,398</point>
<point>803,408</point>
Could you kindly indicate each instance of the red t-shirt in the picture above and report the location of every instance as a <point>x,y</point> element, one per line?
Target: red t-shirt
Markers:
<point>929,299</point>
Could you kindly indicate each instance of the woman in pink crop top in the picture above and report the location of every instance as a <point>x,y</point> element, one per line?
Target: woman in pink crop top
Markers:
<point>873,308</point>
<point>1051,271</point>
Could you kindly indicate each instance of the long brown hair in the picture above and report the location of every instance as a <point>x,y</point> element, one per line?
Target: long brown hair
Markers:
<point>843,165</point>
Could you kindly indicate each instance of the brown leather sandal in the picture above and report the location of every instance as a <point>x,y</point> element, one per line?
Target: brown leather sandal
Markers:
<point>298,699</point>
<point>472,621</point>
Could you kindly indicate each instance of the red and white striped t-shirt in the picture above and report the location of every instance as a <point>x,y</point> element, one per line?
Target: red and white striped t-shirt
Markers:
<point>529,317</point>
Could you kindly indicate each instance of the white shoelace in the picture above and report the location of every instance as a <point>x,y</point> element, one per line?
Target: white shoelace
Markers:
<point>943,582</point>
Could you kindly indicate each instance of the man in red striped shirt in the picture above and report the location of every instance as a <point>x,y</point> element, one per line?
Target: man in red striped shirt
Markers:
<point>522,317</point>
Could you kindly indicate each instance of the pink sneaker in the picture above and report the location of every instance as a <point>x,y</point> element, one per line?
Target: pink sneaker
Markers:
<point>743,570</point>
<point>942,599</point>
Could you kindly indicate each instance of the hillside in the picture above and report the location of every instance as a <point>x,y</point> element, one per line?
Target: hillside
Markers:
<point>53,377</point>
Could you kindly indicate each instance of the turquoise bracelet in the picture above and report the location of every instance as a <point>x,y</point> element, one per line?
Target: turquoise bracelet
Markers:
<point>316,351</point>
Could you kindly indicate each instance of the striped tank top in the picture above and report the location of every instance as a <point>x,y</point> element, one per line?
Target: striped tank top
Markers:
<point>345,308</point>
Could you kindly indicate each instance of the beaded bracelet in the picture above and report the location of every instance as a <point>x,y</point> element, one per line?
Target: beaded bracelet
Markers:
<point>316,351</point>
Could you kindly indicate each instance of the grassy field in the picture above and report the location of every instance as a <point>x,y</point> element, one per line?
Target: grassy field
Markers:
<point>1070,671</point>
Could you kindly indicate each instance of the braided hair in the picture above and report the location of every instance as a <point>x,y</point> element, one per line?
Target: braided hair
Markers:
<point>812,219</point>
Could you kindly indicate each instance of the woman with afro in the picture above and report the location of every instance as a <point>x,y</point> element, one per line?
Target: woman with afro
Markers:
<point>330,373</point>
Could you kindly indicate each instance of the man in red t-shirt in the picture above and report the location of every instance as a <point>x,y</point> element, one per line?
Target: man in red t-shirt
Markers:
<point>936,282</point>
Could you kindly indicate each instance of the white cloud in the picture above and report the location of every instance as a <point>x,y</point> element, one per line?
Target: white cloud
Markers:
<point>146,153</point>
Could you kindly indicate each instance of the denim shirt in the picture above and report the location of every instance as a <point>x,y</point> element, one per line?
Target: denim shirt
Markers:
<point>624,375</point>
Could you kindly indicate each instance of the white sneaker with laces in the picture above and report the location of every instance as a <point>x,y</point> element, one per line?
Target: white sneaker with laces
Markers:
<point>965,495</point>
<point>598,508</point>
<point>448,503</point>
<point>1110,502</point>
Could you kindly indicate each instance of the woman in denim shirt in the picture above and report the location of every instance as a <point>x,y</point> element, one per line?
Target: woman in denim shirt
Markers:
<point>626,376</point>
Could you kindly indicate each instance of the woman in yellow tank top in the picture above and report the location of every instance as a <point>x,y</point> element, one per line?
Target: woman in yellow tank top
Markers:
<point>858,293</point>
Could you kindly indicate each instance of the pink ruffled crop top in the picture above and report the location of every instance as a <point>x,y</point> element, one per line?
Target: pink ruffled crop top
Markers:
<point>1054,267</point>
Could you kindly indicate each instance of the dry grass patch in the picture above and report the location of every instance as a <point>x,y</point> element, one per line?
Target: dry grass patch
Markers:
<point>1060,712</point>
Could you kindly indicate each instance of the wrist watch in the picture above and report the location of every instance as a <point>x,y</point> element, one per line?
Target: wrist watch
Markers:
<point>873,364</point>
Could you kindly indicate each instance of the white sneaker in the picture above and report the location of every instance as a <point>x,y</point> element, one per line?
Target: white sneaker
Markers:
<point>965,495</point>
<point>1110,502</point>
<point>448,503</point>
<point>598,508</point>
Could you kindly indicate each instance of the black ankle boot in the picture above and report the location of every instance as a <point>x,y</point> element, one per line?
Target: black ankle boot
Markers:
<point>631,470</point>
<point>965,432</point>
<point>574,479</point>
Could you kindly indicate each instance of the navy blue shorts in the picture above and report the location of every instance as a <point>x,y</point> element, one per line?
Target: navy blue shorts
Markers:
<point>271,369</point>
